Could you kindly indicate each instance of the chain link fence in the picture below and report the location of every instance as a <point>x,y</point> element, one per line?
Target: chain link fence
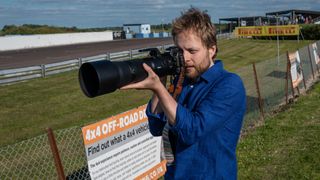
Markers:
<point>266,91</point>
<point>30,159</point>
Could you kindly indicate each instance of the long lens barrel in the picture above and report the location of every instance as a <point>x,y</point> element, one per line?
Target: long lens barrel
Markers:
<point>101,77</point>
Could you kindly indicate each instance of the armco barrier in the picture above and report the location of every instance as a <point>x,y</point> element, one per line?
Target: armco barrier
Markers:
<point>21,74</point>
<point>9,76</point>
<point>33,158</point>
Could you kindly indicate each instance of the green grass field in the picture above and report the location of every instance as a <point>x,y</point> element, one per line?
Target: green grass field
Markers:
<point>27,108</point>
<point>287,145</point>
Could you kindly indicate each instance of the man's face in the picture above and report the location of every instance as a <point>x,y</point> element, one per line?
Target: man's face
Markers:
<point>197,57</point>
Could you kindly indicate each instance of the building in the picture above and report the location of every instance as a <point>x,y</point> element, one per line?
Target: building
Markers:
<point>285,17</point>
<point>137,28</point>
<point>234,22</point>
<point>295,16</point>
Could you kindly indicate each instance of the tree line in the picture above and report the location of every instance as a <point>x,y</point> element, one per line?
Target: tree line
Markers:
<point>28,29</point>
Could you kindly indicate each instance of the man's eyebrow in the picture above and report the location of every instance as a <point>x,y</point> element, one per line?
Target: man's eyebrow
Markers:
<point>191,48</point>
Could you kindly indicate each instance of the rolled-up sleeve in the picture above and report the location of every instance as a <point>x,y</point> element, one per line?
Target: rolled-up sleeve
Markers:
<point>156,121</point>
<point>216,108</point>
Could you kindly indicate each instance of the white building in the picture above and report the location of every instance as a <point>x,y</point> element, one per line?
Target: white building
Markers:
<point>137,28</point>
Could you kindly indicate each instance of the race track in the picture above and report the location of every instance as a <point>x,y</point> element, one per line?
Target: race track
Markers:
<point>38,56</point>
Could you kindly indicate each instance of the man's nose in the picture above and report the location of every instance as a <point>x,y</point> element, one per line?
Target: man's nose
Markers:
<point>186,56</point>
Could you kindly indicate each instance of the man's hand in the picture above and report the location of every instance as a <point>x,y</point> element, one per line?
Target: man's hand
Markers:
<point>152,82</point>
<point>161,100</point>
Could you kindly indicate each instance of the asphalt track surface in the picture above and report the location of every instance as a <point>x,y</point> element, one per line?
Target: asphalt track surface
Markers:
<point>46,55</point>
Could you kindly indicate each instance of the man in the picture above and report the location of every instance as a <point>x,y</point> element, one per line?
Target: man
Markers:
<point>204,123</point>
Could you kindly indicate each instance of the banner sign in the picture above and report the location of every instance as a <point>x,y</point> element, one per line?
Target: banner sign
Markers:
<point>288,30</point>
<point>295,68</point>
<point>316,53</point>
<point>121,147</point>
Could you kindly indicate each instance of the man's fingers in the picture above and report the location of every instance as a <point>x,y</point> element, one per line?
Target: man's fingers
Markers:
<point>147,68</point>
<point>137,85</point>
<point>144,84</point>
<point>129,86</point>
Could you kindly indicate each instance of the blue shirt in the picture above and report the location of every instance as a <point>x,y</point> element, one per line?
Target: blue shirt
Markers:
<point>208,122</point>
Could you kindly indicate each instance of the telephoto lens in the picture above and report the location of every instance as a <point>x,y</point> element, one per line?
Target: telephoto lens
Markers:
<point>102,77</point>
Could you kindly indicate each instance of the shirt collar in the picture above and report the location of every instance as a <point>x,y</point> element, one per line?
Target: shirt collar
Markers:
<point>210,75</point>
<point>213,72</point>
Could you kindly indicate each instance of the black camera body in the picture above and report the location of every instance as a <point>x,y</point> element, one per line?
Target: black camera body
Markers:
<point>102,77</point>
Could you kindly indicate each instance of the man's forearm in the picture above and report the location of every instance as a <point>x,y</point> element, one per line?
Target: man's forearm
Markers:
<point>165,102</point>
<point>155,105</point>
<point>162,101</point>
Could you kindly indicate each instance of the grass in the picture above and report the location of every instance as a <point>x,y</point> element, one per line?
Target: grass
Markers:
<point>241,52</point>
<point>27,108</point>
<point>287,145</point>
<point>57,102</point>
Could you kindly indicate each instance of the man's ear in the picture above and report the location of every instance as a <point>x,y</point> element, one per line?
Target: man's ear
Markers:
<point>212,51</point>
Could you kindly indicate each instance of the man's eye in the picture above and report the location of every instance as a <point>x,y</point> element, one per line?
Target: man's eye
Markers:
<point>192,51</point>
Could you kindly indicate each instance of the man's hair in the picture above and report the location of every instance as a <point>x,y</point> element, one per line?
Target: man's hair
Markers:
<point>198,22</point>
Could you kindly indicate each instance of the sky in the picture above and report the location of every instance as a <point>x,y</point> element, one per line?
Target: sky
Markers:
<point>110,13</point>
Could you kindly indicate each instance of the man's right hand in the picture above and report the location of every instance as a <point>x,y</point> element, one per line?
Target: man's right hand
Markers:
<point>152,82</point>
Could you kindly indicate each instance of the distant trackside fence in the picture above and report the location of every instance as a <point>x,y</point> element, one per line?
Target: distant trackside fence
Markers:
<point>9,76</point>
<point>60,154</point>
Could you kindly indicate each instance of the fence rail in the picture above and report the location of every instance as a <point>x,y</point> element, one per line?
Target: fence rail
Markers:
<point>21,74</point>
<point>33,159</point>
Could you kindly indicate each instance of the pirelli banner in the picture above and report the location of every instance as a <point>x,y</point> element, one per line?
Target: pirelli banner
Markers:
<point>121,147</point>
<point>289,30</point>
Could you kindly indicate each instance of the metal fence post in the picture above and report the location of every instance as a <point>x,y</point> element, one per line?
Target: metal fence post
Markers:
<point>80,62</point>
<point>43,70</point>
<point>258,90</point>
<point>109,56</point>
<point>130,54</point>
<point>55,153</point>
<point>310,59</point>
<point>287,81</point>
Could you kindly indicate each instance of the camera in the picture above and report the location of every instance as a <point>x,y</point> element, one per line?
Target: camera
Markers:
<point>102,77</point>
